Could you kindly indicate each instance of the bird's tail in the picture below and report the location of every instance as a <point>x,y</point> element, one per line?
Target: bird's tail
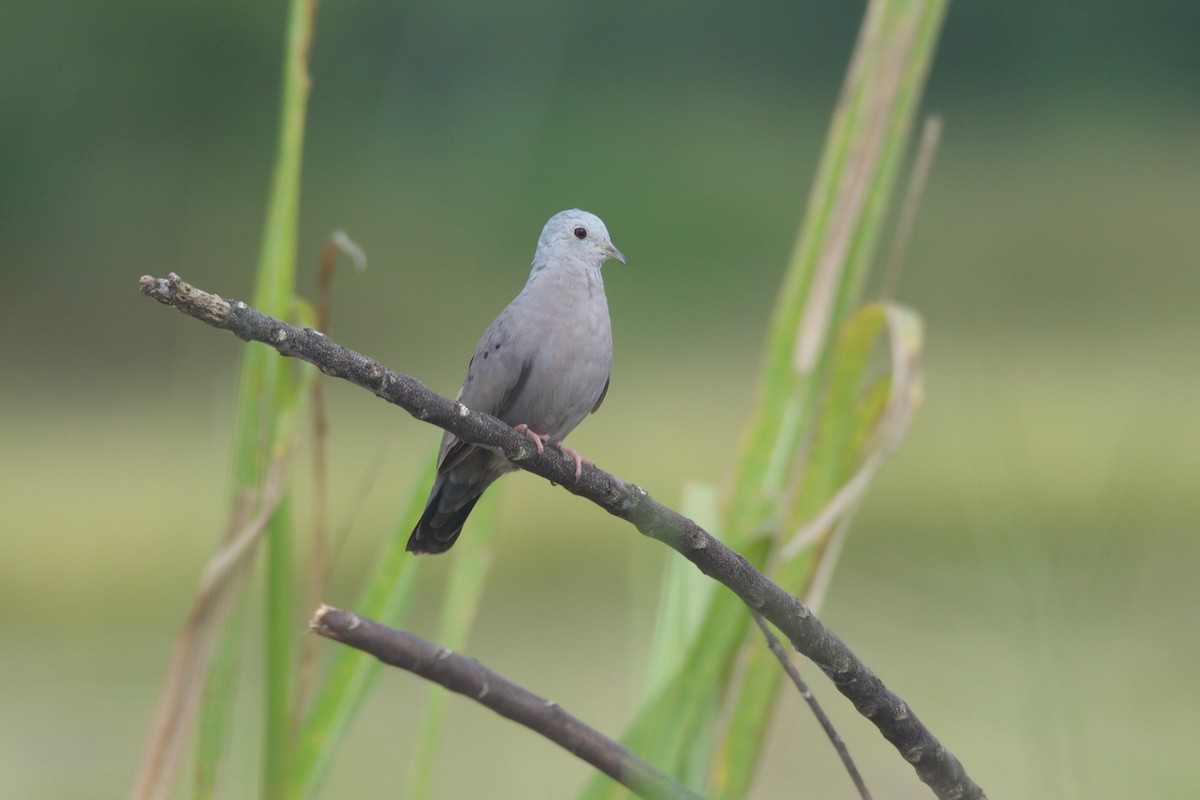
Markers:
<point>445,514</point>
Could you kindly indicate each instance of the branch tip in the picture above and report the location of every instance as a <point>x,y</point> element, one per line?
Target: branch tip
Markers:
<point>178,293</point>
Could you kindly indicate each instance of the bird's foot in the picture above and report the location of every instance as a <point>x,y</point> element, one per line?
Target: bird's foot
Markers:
<point>578,459</point>
<point>538,439</point>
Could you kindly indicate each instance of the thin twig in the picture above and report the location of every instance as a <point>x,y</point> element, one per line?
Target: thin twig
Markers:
<point>934,764</point>
<point>818,712</point>
<point>471,679</point>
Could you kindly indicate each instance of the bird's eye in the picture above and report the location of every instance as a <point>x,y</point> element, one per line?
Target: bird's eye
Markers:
<point>581,233</point>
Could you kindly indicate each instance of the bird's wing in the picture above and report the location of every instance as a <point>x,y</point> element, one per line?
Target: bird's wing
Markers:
<point>496,375</point>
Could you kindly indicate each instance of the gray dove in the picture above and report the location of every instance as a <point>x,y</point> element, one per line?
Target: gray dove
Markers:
<point>542,366</point>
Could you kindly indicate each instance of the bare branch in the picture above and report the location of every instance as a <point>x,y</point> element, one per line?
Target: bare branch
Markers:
<point>934,764</point>
<point>471,679</point>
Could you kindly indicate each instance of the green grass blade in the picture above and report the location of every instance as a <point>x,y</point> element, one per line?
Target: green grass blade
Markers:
<point>664,730</point>
<point>851,426</point>
<point>387,598</point>
<point>273,295</point>
<point>282,624</point>
<point>839,434</point>
<point>269,400</point>
<point>468,576</point>
<point>772,437</point>
<point>685,595</point>
<point>217,708</point>
<point>821,286</point>
<point>279,654</point>
<point>263,394</point>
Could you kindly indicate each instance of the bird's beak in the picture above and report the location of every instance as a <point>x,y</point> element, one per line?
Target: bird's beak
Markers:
<point>613,253</point>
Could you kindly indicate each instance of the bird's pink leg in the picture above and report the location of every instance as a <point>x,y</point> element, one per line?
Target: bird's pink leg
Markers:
<point>538,439</point>
<point>578,459</point>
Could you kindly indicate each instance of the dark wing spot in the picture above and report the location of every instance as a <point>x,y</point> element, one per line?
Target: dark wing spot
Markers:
<point>485,355</point>
<point>510,396</point>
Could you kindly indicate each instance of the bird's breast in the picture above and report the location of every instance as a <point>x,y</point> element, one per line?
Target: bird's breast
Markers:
<point>570,337</point>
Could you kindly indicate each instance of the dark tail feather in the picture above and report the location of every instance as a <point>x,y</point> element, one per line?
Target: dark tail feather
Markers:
<point>439,535</point>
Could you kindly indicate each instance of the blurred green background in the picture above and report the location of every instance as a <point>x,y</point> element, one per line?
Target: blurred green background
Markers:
<point>1023,572</point>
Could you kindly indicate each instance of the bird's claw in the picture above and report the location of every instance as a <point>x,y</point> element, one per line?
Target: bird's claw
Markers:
<point>578,459</point>
<point>538,439</point>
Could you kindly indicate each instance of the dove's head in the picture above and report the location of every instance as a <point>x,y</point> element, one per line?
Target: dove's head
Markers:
<point>576,236</point>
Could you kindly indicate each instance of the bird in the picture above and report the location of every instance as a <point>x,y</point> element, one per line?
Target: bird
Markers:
<point>542,366</point>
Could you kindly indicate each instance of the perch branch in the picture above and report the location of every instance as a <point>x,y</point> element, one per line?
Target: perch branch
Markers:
<point>934,764</point>
<point>471,679</point>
